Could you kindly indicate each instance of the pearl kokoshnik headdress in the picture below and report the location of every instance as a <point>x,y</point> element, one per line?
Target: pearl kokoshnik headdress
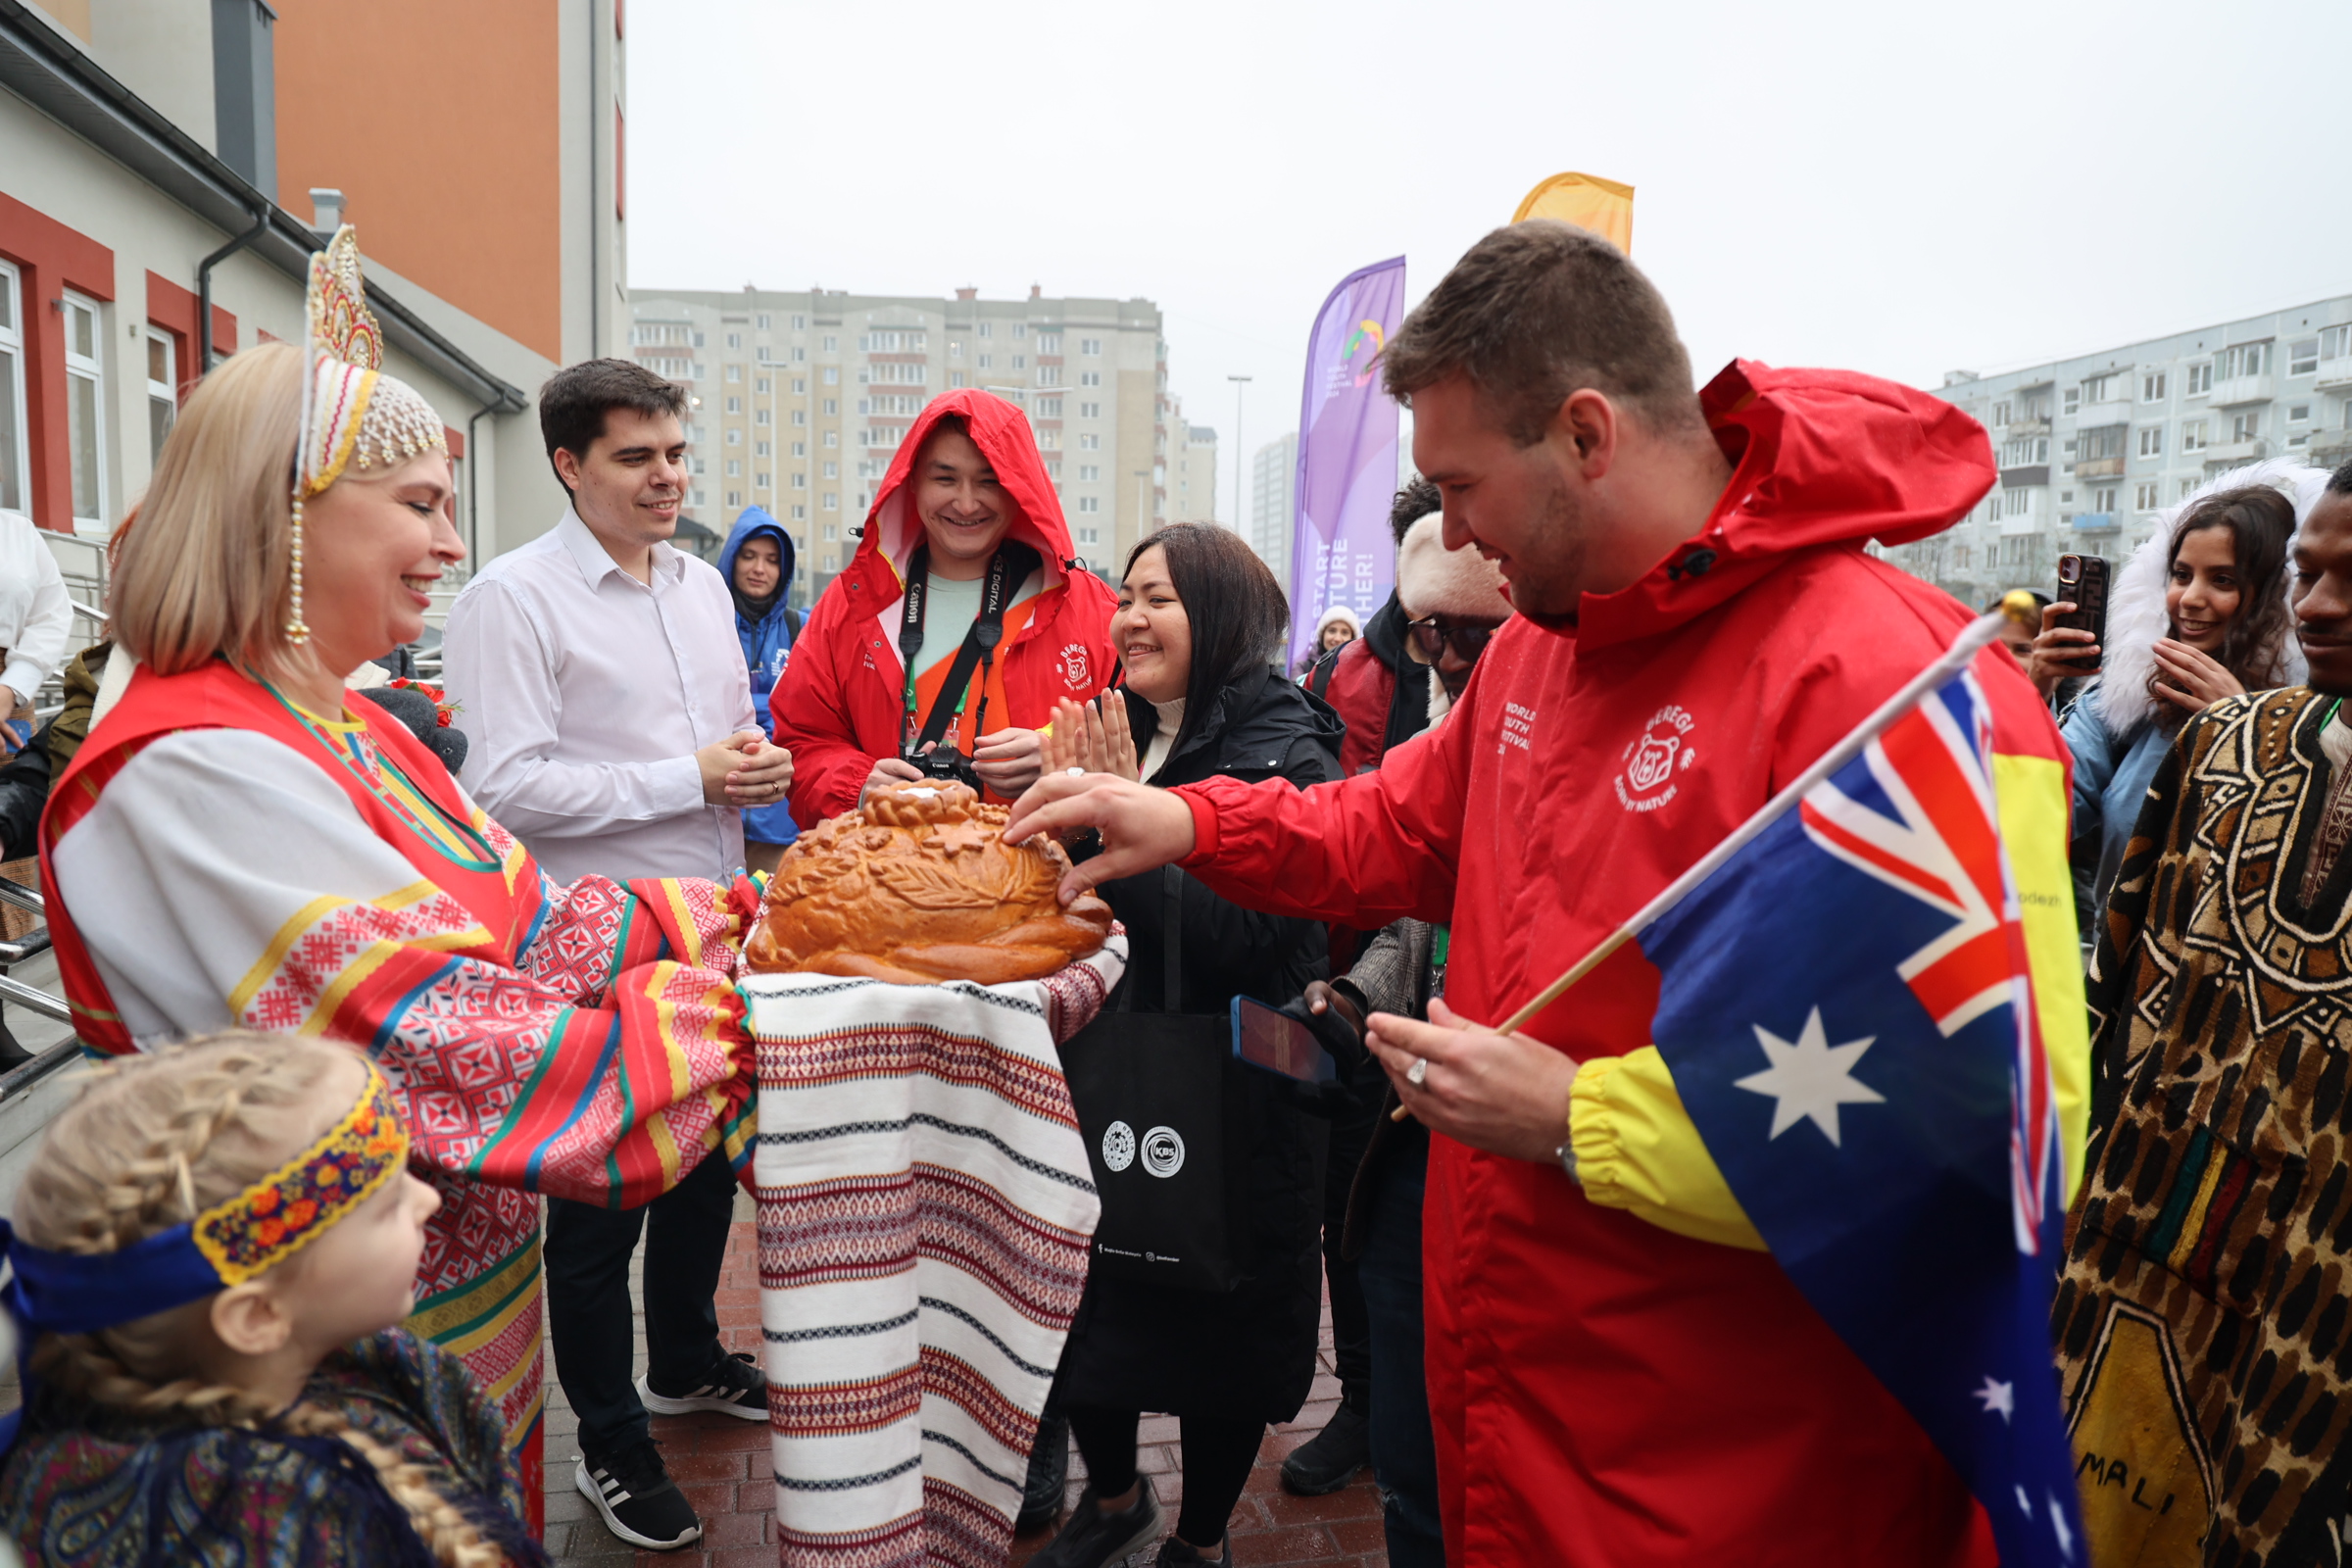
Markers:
<point>350,410</point>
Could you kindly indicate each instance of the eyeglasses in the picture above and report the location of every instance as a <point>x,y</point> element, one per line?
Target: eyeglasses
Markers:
<point>1432,637</point>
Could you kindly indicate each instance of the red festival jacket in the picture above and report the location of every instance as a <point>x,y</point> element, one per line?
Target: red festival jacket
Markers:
<point>840,704</point>
<point>1608,1388</point>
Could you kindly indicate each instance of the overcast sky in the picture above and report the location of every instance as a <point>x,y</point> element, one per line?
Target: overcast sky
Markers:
<point>1898,188</point>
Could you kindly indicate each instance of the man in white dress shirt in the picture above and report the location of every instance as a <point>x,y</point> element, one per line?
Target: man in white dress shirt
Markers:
<point>609,714</point>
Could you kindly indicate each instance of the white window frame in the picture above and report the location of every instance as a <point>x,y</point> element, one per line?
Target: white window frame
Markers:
<point>15,439</point>
<point>165,392</point>
<point>2151,387</point>
<point>91,369</point>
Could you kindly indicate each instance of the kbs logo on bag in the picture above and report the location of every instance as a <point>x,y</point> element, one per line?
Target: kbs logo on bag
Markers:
<point>1164,1152</point>
<point>1075,669</point>
<point>1653,757</point>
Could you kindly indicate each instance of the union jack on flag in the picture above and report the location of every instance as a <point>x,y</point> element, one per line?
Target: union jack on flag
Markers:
<point>1942,846</point>
<point>1846,1004</point>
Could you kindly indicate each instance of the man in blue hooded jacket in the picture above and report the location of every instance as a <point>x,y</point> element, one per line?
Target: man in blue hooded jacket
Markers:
<point>756,563</point>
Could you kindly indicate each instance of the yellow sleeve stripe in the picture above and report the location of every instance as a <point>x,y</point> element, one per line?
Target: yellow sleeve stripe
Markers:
<point>1636,1148</point>
<point>2031,793</point>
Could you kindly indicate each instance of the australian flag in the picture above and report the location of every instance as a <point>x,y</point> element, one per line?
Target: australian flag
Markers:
<point>1846,1009</point>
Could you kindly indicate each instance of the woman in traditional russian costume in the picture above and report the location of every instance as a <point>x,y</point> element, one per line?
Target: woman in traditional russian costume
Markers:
<point>243,842</point>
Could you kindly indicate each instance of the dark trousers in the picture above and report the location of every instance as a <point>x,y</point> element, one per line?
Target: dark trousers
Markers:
<point>1405,1449</point>
<point>1218,1452</point>
<point>588,1311</point>
<point>1351,1322</point>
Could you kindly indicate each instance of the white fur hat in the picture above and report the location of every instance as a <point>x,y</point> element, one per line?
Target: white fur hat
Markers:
<point>2135,612</point>
<point>1338,613</point>
<point>1433,580</point>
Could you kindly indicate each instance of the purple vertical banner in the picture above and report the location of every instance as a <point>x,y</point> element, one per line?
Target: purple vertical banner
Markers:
<point>1341,551</point>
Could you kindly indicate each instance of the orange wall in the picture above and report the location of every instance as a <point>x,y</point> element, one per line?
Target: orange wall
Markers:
<point>437,120</point>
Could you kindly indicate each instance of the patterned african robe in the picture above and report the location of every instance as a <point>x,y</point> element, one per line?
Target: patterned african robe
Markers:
<point>216,857</point>
<point>2202,1319</point>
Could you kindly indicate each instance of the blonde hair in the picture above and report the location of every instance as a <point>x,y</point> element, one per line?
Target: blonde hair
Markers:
<point>151,1142</point>
<point>208,567</point>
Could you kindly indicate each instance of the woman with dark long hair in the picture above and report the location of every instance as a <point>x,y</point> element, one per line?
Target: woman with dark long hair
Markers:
<point>1199,629</point>
<point>2199,612</point>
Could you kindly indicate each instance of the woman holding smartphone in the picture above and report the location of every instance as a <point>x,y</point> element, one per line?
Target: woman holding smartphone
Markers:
<point>2199,612</point>
<point>1199,630</point>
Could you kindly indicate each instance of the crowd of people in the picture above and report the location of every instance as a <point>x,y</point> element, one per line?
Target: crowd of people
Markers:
<point>382,968</point>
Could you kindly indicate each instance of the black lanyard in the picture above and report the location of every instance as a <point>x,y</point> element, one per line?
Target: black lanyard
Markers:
<point>1007,569</point>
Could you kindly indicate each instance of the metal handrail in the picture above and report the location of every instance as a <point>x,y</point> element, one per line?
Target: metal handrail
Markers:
<point>22,897</point>
<point>40,1002</point>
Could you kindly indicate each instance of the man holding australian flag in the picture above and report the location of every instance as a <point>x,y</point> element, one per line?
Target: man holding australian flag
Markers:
<point>1739,1246</point>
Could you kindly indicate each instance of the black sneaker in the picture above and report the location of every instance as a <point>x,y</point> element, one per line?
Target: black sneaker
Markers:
<point>638,1500</point>
<point>1175,1554</point>
<point>1330,1459</point>
<point>1048,1473</point>
<point>735,1386</point>
<point>1093,1538</point>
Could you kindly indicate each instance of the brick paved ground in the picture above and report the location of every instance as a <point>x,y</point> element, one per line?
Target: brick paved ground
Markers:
<point>722,1465</point>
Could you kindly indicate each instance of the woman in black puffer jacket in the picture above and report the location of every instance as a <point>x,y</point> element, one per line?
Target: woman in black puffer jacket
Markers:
<point>1199,624</point>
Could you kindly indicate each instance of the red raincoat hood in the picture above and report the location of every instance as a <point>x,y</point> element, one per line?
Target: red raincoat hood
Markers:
<point>1818,458</point>
<point>1002,435</point>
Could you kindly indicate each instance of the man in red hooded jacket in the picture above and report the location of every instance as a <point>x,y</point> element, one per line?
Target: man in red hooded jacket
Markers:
<point>1619,1373</point>
<point>966,481</point>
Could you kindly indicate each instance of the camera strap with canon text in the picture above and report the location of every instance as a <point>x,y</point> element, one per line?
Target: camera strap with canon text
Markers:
<point>1007,569</point>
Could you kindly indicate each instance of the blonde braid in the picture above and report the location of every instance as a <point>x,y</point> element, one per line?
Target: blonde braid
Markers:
<point>151,1142</point>
<point>455,1541</point>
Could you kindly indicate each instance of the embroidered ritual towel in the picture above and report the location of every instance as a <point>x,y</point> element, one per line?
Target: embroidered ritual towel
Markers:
<point>925,1213</point>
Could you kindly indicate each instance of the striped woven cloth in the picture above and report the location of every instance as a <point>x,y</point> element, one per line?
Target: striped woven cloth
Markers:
<point>925,1209</point>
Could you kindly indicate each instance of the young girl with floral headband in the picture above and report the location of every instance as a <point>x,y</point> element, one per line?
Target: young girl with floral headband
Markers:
<point>210,1257</point>
<point>244,842</point>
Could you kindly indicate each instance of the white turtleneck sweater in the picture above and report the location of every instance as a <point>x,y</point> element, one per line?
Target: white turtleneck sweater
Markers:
<point>1172,719</point>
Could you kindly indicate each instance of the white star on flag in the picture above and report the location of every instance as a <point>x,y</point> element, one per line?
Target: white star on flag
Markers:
<point>1810,1078</point>
<point>1998,1395</point>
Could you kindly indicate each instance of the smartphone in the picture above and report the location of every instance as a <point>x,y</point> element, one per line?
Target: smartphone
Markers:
<point>2082,581</point>
<point>1278,1043</point>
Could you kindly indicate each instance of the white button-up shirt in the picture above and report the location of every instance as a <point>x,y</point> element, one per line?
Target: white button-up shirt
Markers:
<point>35,618</point>
<point>584,693</point>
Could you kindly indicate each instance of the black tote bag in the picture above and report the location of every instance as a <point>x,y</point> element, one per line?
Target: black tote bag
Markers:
<point>1159,1103</point>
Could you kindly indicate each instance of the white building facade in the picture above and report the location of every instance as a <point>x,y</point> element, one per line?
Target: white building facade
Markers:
<point>1273,489</point>
<point>801,398</point>
<point>2091,448</point>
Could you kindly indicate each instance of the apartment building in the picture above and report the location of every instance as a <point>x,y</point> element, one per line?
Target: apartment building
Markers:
<point>1192,469</point>
<point>168,166</point>
<point>1273,489</point>
<point>802,397</point>
<point>2091,448</point>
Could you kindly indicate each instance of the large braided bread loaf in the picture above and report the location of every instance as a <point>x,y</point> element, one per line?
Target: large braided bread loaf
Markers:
<point>916,886</point>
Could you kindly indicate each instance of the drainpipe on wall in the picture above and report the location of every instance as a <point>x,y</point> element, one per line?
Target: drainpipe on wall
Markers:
<point>596,132</point>
<point>204,287</point>
<point>473,483</point>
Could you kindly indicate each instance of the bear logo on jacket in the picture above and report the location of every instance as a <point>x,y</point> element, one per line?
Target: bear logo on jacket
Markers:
<point>1652,759</point>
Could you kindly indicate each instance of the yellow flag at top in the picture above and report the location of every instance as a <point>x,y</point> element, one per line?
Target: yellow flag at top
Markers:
<point>1588,201</point>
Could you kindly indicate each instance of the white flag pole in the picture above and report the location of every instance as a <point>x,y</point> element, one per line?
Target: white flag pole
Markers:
<point>1965,648</point>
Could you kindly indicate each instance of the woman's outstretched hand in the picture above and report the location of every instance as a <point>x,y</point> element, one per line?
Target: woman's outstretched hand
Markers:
<point>2060,653</point>
<point>1143,828</point>
<point>2192,680</point>
<point>1092,737</point>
